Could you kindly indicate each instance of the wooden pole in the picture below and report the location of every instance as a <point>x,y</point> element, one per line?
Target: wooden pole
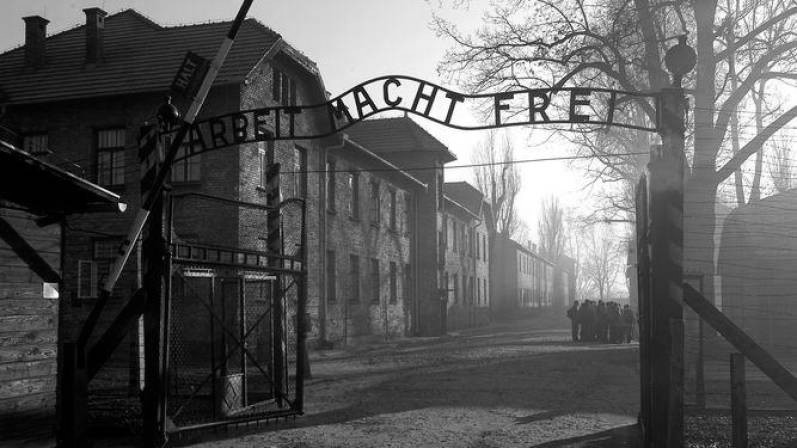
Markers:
<point>700,381</point>
<point>153,325</point>
<point>675,422</point>
<point>738,401</point>
<point>770,366</point>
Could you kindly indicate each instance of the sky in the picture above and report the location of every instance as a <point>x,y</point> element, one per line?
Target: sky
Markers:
<point>351,41</point>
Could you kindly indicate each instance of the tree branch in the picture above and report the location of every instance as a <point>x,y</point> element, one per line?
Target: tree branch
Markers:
<point>754,145</point>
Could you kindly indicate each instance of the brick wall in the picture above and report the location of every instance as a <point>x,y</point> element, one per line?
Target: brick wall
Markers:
<point>352,318</point>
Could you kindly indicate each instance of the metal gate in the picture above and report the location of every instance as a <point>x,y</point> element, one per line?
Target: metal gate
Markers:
<point>234,351</point>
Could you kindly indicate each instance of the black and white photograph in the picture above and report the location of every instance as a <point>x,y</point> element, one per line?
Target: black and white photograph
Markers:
<point>398,223</point>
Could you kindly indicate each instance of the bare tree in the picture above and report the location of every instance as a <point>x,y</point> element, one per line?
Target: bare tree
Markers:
<point>551,229</point>
<point>780,168</point>
<point>498,178</point>
<point>603,262</point>
<point>618,44</point>
<point>575,243</point>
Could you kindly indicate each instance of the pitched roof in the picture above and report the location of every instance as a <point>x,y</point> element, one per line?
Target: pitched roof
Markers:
<point>465,194</point>
<point>397,134</point>
<point>139,56</point>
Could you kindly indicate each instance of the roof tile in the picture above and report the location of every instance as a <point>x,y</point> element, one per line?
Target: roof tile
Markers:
<point>139,56</point>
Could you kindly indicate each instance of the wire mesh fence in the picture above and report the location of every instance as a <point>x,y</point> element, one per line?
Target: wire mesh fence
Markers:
<point>756,288</point>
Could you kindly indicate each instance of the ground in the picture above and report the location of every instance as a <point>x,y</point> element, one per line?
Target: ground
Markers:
<point>519,384</point>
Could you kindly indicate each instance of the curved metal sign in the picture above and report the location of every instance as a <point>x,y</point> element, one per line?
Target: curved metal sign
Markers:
<point>404,93</point>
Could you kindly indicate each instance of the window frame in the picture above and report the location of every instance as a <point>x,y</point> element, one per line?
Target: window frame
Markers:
<point>393,218</point>
<point>331,189</point>
<point>354,278</point>
<point>93,280</point>
<point>375,206</point>
<point>38,151</point>
<point>393,298</point>
<point>299,172</point>
<point>331,286</point>
<point>113,152</point>
<point>373,280</point>
<point>354,199</point>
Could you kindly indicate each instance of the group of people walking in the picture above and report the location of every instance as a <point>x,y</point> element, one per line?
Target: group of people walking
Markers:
<point>601,322</point>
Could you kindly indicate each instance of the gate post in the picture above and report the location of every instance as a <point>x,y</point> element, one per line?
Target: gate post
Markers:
<point>274,247</point>
<point>660,210</point>
<point>155,284</point>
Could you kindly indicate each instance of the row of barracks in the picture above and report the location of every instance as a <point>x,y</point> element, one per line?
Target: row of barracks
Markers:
<point>393,249</point>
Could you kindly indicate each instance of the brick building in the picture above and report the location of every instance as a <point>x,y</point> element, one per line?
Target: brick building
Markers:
<point>369,255</point>
<point>524,280</point>
<point>405,144</point>
<point>564,282</point>
<point>93,86</point>
<point>466,274</point>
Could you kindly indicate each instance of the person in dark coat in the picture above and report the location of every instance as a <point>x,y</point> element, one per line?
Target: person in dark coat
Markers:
<point>616,333</point>
<point>572,314</point>
<point>628,323</point>
<point>586,317</point>
<point>601,323</point>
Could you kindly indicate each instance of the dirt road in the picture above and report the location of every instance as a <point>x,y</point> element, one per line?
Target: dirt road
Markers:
<point>515,385</point>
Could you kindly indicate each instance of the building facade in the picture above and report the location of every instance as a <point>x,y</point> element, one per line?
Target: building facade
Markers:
<point>405,144</point>
<point>464,247</point>
<point>523,280</point>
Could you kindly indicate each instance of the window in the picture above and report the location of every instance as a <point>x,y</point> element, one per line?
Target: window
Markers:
<point>444,233</point>
<point>354,199</point>
<point>407,213</point>
<point>478,246</point>
<point>265,155</point>
<point>283,88</point>
<point>331,290</point>
<point>106,249</point>
<point>354,278</point>
<point>439,179</point>
<point>86,279</point>
<point>111,157</point>
<point>445,285</point>
<point>374,211</point>
<point>484,247</point>
<point>188,165</point>
<point>470,242</point>
<point>470,290</point>
<point>392,194</point>
<point>406,287</point>
<point>455,279</point>
<point>35,144</point>
<point>455,246</point>
<point>299,172</point>
<point>331,185</point>
<point>478,291</point>
<point>393,283</point>
<point>374,280</point>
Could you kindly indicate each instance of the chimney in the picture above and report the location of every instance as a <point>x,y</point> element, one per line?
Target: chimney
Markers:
<point>95,26</point>
<point>35,40</point>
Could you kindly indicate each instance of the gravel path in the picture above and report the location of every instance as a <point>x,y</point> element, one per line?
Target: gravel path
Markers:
<point>513,385</point>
